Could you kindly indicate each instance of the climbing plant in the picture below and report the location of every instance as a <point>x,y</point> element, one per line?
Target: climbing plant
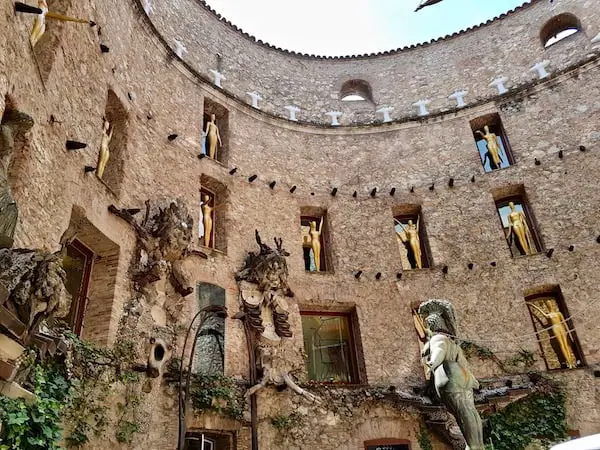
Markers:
<point>539,416</point>
<point>423,438</point>
<point>71,393</point>
<point>218,393</point>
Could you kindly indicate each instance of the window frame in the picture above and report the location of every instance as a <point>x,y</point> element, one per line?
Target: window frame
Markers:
<point>404,213</point>
<point>80,304</point>
<point>521,199</point>
<point>494,122</point>
<point>325,262</point>
<point>387,442</point>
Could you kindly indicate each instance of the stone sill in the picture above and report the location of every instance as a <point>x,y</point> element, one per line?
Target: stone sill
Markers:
<point>210,251</point>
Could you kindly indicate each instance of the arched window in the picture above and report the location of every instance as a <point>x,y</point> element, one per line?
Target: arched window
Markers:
<point>559,28</point>
<point>356,91</point>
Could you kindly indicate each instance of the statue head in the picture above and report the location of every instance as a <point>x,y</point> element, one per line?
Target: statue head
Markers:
<point>410,223</point>
<point>511,205</point>
<point>313,225</point>
<point>106,125</point>
<point>206,199</point>
<point>438,316</point>
<point>213,118</point>
<point>550,305</point>
<point>486,129</point>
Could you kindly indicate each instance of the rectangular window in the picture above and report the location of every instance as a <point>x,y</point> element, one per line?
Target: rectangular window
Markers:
<point>215,131</point>
<point>315,239</point>
<point>330,345</point>
<point>209,440</point>
<point>492,143</point>
<point>556,335</point>
<point>518,223</point>
<point>212,226</point>
<point>78,267</point>
<point>411,237</point>
<point>206,225</point>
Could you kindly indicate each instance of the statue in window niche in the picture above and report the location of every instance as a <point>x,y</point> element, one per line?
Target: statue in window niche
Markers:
<point>453,380</point>
<point>493,153</point>
<point>107,132</point>
<point>213,137</point>
<point>556,322</point>
<point>518,228</point>
<point>410,237</point>
<point>315,242</point>
<point>207,219</point>
<point>263,290</point>
<point>13,126</point>
<point>39,23</point>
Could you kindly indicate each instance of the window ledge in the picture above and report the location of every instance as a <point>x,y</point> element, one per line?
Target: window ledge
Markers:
<point>210,251</point>
<point>320,273</point>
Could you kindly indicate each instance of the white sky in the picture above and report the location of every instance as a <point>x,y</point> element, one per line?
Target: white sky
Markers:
<point>347,27</point>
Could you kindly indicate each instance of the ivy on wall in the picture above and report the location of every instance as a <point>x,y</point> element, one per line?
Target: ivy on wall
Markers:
<point>423,438</point>
<point>71,399</point>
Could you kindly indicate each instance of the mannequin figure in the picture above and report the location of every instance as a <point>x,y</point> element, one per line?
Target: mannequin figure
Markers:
<point>39,23</point>
<point>207,219</point>
<point>412,236</point>
<point>213,137</point>
<point>315,242</point>
<point>104,152</point>
<point>493,153</point>
<point>556,321</point>
<point>517,226</point>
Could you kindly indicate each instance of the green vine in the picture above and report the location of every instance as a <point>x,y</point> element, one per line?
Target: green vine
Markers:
<point>540,416</point>
<point>285,423</point>
<point>71,392</point>
<point>218,393</point>
<point>423,438</point>
<point>524,359</point>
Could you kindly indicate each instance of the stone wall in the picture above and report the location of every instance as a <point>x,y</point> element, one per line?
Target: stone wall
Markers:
<point>162,96</point>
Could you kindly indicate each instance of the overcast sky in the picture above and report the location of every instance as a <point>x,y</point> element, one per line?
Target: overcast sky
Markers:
<point>346,27</point>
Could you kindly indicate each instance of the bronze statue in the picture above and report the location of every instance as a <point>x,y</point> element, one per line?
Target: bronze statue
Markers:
<point>556,323</point>
<point>207,219</point>
<point>453,380</point>
<point>39,23</point>
<point>213,137</point>
<point>493,153</point>
<point>13,126</point>
<point>517,227</point>
<point>411,237</point>
<point>315,242</point>
<point>107,133</point>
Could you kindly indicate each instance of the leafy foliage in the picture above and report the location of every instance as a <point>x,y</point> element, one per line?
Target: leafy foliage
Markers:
<point>218,393</point>
<point>540,416</point>
<point>423,438</point>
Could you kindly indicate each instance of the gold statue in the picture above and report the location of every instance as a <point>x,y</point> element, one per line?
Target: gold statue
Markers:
<point>39,23</point>
<point>315,242</point>
<point>517,226</point>
<point>557,323</point>
<point>207,219</point>
<point>493,153</point>
<point>411,236</point>
<point>213,137</point>
<point>104,151</point>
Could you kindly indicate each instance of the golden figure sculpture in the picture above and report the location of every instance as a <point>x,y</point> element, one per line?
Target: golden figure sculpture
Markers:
<point>213,137</point>
<point>411,232</point>
<point>39,23</point>
<point>517,227</point>
<point>315,242</point>
<point>557,324</point>
<point>491,142</point>
<point>207,219</point>
<point>104,151</point>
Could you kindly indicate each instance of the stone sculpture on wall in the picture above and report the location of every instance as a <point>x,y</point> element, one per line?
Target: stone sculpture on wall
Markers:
<point>12,128</point>
<point>453,380</point>
<point>493,149</point>
<point>107,132</point>
<point>410,237</point>
<point>519,229</point>
<point>163,239</point>
<point>213,137</point>
<point>263,290</point>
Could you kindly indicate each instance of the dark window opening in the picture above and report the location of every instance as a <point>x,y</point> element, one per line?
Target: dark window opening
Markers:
<point>330,345</point>
<point>388,444</point>
<point>314,242</point>
<point>77,264</point>
<point>220,114</point>
<point>519,224</point>
<point>209,440</point>
<point>210,347</point>
<point>356,90</point>
<point>492,142</point>
<point>558,28</point>
<point>117,118</point>
<point>556,337</point>
<point>412,237</point>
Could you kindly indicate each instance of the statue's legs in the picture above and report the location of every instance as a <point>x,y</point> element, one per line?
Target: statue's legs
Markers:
<point>462,407</point>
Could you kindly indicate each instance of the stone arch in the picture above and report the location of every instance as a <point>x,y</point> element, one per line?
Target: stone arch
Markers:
<point>356,90</point>
<point>558,28</point>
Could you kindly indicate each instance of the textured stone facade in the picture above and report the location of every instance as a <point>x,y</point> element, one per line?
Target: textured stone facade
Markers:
<point>161,95</point>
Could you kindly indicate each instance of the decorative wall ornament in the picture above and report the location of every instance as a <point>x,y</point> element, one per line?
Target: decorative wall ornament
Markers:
<point>213,137</point>
<point>410,237</point>
<point>518,229</point>
<point>540,68</point>
<point>147,7</point>
<point>107,132</point>
<point>423,3</point>
<point>498,83</point>
<point>459,96</point>
<point>13,126</point>
<point>334,115</point>
<point>207,209</point>
<point>422,106</point>
<point>179,48</point>
<point>453,380</point>
<point>254,97</point>
<point>218,77</point>
<point>385,110</point>
<point>493,149</point>
<point>263,290</point>
<point>293,110</point>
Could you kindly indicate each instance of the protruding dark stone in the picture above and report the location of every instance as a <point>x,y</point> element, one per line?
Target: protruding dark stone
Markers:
<point>75,145</point>
<point>252,178</point>
<point>172,137</point>
<point>104,48</point>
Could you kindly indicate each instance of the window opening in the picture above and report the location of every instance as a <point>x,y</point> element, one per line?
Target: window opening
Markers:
<point>518,224</point>
<point>556,335</point>
<point>314,245</point>
<point>77,264</point>
<point>207,218</point>
<point>356,91</point>
<point>492,142</point>
<point>215,131</point>
<point>329,344</point>
<point>387,444</point>
<point>558,28</point>
<point>412,238</point>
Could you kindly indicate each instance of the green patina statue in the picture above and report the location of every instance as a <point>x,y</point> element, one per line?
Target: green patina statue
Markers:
<point>454,382</point>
